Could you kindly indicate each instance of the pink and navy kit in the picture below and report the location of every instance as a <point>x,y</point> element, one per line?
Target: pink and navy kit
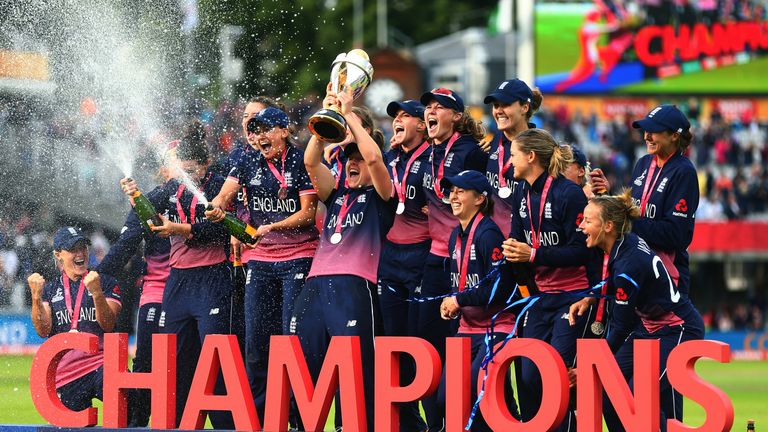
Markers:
<point>198,293</point>
<point>257,175</point>
<point>339,297</point>
<point>499,162</point>
<point>668,197</point>
<point>479,245</point>
<point>646,304</point>
<point>280,262</point>
<point>560,260</point>
<point>403,257</point>
<point>63,296</point>
<point>156,270</point>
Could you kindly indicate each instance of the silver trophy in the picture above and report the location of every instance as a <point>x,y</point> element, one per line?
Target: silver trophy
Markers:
<point>350,70</point>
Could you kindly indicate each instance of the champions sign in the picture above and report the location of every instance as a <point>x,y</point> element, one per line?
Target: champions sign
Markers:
<point>597,373</point>
<point>651,47</point>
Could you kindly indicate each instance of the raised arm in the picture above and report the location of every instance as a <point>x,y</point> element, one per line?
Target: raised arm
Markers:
<point>367,146</point>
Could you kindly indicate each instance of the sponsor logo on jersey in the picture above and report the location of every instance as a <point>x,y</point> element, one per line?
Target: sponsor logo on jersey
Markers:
<point>662,184</point>
<point>621,296</point>
<point>351,323</point>
<point>681,209</point>
<point>639,181</point>
<point>214,311</point>
<point>59,296</point>
<point>523,213</point>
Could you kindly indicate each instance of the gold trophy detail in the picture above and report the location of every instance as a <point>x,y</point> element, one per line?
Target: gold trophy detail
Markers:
<point>350,70</point>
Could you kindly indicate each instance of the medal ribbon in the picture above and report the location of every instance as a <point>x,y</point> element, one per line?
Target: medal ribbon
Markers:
<point>342,213</point>
<point>503,166</point>
<point>463,264</point>
<point>68,299</point>
<point>192,206</point>
<point>280,176</point>
<point>534,235</point>
<point>603,291</point>
<point>440,171</point>
<point>397,183</point>
<point>650,184</point>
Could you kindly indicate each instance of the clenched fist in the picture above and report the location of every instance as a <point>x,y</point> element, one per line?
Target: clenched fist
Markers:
<point>36,284</point>
<point>92,282</point>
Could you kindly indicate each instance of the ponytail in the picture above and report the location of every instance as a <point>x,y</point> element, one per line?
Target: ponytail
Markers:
<point>685,140</point>
<point>619,209</point>
<point>535,103</point>
<point>552,157</point>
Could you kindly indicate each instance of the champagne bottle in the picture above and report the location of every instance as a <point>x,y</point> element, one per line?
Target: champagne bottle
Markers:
<point>750,426</point>
<point>145,210</point>
<point>237,228</point>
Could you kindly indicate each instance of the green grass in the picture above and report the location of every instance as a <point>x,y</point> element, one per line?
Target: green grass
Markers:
<point>745,382</point>
<point>556,37</point>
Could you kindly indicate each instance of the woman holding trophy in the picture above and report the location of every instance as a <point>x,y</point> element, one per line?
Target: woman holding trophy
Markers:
<point>454,136</point>
<point>339,298</point>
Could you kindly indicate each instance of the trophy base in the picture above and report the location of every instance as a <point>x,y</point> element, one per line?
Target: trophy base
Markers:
<point>328,125</point>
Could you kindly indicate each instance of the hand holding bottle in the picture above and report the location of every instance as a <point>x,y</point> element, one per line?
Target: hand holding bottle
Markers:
<point>598,182</point>
<point>129,186</point>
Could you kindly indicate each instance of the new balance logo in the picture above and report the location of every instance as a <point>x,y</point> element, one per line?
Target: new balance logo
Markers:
<point>351,323</point>
<point>214,311</point>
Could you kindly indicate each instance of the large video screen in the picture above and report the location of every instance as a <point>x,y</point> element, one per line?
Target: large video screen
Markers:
<point>652,46</point>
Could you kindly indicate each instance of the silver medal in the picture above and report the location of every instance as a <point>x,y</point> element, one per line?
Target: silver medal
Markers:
<point>597,328</point>
<point>336,238</point>
<point>505,192</point>
<point>282,193</point>
<point>400,208</point>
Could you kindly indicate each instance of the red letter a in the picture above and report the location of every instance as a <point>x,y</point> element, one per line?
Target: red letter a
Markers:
<point>288,370</point>
<point>220,352</point>
<point>161,381</point>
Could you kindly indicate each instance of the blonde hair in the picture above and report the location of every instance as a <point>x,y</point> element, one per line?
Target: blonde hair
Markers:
<point>554,158</point>
<point>619,209</point>
<point>466,125</point>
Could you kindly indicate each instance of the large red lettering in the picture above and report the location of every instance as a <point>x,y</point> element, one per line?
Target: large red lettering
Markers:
<point>341,369</point>
<point>643,46</point>
<point>42,379</point>
<point>161,381</point>
<point>597,369</point>
<point>458,361</point>
<point>220,353</point>
<point>681,372</point>
<point>388,390</point>
<point>554,381</point>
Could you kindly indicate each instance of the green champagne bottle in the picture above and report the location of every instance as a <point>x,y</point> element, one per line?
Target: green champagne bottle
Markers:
<point>145,210</point>
<point>237,228</point>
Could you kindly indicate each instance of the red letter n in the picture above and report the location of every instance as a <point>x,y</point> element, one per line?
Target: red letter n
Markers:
<point>597,369</point>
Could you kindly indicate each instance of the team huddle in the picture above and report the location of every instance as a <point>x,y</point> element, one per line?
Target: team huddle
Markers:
<point>407,243</point>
